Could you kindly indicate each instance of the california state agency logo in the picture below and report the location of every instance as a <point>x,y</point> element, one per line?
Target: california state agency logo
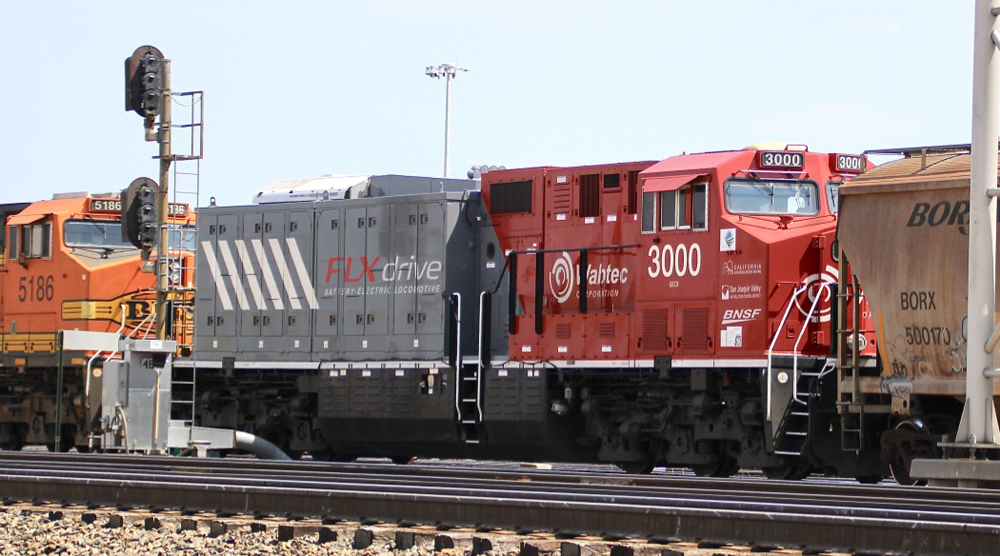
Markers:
<point>562,279</point>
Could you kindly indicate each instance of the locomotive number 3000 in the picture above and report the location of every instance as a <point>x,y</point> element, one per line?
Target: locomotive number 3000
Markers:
<point>674,260</point>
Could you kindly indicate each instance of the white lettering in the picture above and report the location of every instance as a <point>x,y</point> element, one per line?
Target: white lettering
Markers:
<point>669,261</point>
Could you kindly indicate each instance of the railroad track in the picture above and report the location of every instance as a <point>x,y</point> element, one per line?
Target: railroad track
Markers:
<point>816,515</point>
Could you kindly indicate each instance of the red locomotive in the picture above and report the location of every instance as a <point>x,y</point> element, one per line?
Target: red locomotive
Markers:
<point>682,306</point>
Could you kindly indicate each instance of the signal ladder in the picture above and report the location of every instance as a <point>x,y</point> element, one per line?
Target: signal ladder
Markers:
<point>187,134</point>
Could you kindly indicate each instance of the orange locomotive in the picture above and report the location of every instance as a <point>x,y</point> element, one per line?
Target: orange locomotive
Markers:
<point>65,266</point>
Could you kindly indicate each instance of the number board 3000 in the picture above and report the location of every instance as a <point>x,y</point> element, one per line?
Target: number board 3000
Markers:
<point>782,159</point>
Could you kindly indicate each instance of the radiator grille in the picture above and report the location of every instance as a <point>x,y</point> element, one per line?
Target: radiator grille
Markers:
<point>655,330</point>
<point>694,336</point>
<point>632,205</point>
<point>590,195</point>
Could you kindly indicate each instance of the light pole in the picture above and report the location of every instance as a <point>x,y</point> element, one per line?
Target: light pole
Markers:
<point>448,71</point>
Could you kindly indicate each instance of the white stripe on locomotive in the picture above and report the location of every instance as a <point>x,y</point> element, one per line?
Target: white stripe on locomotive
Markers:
<point>286,278</point>
<point>248,266</point>
<point>213,267</point>
<point>272,286</point>
<point>234,275</point>
<point>300,269</point>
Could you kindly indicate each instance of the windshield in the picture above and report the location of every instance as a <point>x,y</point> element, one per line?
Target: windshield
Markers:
<point>183,238</point>
<point>106,234</point>
<point>745,196</point>
<point>95,233</point>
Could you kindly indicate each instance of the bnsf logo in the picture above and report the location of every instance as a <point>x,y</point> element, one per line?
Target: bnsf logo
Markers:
<point>733,316</point>
<point>942,213</point>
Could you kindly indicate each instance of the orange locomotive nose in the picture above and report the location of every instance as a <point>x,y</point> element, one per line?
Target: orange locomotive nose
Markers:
<point>65,266</point>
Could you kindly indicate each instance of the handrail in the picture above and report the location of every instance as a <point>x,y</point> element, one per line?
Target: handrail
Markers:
<point>824,285</point>
<point>458,354</point>
<point>479,360</point>
<point>774,340</point>
<point>795,349</point>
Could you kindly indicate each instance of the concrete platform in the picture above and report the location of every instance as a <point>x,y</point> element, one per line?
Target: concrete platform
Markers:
<point>962,473</point>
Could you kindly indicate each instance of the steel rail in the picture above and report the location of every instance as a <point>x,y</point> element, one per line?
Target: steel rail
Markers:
<point>426,473</point>
<point>787,499</point>
<point>650,520</point>
<point>607,509</point>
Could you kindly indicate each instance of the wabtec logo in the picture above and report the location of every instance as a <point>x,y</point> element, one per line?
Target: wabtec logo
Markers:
<point>941,213</point>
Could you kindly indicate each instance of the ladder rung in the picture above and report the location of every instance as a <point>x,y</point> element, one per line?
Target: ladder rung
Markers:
<point>469,400</point>
<point>787,453</point>
<point>469,422</point>
<point>795,433</point>
<point>472,441</point>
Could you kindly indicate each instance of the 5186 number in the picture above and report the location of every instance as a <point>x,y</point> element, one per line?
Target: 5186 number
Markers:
<point>35,288</point>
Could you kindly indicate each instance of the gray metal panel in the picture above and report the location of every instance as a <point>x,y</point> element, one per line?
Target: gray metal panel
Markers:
<point>328,277</point>
<point>250,316</point>
<point>490,271</point>
<point>404,299</point>
<point>205,294</point>
<point>273,235</point>
<point>460,266</point>
<point>297,318</point>
<point>226,317</point>
<point>355,244</point>
<point>396,185</point>
<point>377,300</point>
<point>431,239</point>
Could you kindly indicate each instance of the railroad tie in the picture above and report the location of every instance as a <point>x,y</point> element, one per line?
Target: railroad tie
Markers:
<point>405,540</point>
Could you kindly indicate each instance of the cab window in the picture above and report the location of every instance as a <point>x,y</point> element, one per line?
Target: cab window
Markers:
<point>12,243</point>
<point>36,241</point>
<point>681,209</point>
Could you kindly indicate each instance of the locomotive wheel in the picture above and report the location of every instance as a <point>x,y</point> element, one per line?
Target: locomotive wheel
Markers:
<point>65,443</point>
<point>787,472</point>
<point>641,467</point>
<point>725,466</point>
<point>903,455</point>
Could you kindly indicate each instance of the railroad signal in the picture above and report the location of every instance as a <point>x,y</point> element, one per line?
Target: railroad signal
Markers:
<point>139,219</point>
<point>143,81</point>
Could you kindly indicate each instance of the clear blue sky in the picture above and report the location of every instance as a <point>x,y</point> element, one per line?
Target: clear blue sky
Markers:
<point>300,89</point>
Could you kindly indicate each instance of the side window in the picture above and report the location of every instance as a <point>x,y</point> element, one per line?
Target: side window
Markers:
<point>668,210</point>
<point>12,244</point>
<point>36,241</point>
<point>699,217</point>
<point>648,212</point>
